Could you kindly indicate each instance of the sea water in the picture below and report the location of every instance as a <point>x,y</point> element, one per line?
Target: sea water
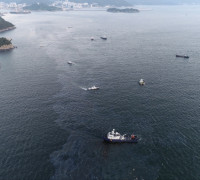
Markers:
<point>51,127</point>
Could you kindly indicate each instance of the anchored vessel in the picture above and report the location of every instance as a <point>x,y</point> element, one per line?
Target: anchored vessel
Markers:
<point>104,37</point>
<point>20,12</point>
<point>141,82</point>
<point>69,62</point>
<point>93,88</point>
<point>115,137</point>
<point>182,56</point>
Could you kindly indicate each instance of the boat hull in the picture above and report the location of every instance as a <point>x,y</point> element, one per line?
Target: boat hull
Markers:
<point>182,56</point>
<point>69,62</point>
<point>141,84</point>
<point>104,38</point>
<point>127,140</point>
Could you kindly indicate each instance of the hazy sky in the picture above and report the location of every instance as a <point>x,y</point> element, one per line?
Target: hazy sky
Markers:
<point>130,1</point>
<point>162,1</point>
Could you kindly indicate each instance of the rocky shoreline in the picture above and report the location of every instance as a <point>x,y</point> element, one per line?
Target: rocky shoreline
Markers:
<point>7,29</point>
<point>6,47</point>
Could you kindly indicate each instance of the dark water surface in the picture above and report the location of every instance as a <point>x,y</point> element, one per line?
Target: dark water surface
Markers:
<point>52,128</point>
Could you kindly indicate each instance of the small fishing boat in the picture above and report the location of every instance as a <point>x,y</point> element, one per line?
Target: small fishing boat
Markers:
<point>93,88</point>
<point>142,82</point>
<point>115,137</point>
<point>69,62</point>
<point>92,38</point>
<point>182,56</point>
<point>104,37</point>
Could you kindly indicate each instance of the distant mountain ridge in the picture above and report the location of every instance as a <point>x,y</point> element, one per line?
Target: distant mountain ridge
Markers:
<point>100,2</point>
<point>114,2</point>
<point>162,2</point>
<point>28,1</point>
<point>104,2</point>
<point>41,7</point>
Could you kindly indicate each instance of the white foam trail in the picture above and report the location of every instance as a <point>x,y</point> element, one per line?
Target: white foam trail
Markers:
<point>85,89</point>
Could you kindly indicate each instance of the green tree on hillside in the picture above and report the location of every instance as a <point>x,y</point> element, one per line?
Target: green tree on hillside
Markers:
<point>5,24</point>
<point>4,41</point>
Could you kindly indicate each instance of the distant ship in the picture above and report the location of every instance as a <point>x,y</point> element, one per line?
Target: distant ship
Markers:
<point>20,12</point>
<point>69,62</point>
<point>115,137</point>
<point>182,56</point>
<point>104,37</point>
<point>93,88</point>
<point>142,82</point>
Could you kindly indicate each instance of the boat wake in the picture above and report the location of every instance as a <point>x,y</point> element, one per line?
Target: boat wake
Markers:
<point>72,158</point>
<point>85,89</point>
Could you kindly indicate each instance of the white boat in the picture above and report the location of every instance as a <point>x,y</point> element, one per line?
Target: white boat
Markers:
<point>115,137</point>
<point>93,88</point>
<point>69,62</point>
<point>141,82</point>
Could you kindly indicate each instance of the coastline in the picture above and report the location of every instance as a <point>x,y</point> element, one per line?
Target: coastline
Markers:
<point>7,29</point>
<point>6,47</point>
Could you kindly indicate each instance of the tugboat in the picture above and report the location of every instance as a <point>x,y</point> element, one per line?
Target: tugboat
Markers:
<point>142,82</point>
<point>183,56</point>
<point>104,37</point>
<point>115,137</point>
<point>93,88</point>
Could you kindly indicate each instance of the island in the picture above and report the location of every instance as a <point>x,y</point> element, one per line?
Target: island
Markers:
<point>5,25</point>
<point>5,44</point>
<point>41,7</point>
<point>126,10</point>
